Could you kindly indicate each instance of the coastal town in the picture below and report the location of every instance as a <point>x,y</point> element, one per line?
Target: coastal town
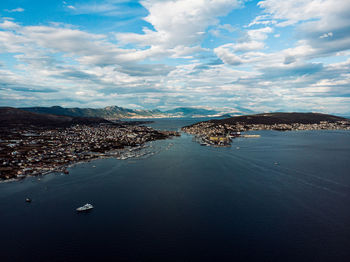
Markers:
<point>36,151</point>
<point>221,134</point>
<point>36,144</point>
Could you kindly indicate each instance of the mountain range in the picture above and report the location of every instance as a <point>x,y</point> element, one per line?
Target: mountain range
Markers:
<point>14,117</point>
<point>116,112</point>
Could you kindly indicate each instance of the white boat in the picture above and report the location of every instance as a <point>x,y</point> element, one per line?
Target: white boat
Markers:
<point>85,207</point>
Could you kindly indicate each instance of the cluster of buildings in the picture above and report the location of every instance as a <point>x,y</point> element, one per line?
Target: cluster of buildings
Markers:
<point>39,151</point>
<point>208,133</point>
<point>211,133</point>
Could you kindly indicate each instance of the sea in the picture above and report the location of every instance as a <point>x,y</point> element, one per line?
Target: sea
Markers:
<point>282,197</point>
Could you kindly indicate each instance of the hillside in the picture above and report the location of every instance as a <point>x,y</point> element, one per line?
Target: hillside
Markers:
<point>110,112</point>
<point>116,112</point>
<point>220,132</point>
<point>189,112</point>
<point>13,117</point>
<point>280,118</point>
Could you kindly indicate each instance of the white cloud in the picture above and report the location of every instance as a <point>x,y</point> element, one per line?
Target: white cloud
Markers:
<point>227,27</point>
<point>293,11</point>
<point>325,35</point>
<point>248,46</point>
<point>96,49</point>
<point>324,25</point>
<point>227,56</point>
<point>262,20</point>
<point>178,23</point>
<point>16,10</point>
<point>259,34</point>
<point>228,50</point>
<point>103,8</point>
<point>8,25</point>
<point>252,41</point>
<point>79,68</point>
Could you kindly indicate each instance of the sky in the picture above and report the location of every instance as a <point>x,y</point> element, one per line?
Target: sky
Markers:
<point>265,56</point>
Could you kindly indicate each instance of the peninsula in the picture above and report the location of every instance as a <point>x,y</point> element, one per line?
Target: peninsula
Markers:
<point>34,144</point>
<point>220,131</point>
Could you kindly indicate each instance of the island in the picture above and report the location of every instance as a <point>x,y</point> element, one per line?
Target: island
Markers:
<point>220,132</point>
<point>36,144</point>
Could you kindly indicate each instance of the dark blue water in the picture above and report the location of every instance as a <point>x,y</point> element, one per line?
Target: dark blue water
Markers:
<point>282,197</point>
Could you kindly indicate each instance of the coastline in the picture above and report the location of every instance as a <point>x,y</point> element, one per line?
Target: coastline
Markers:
<point>38,152</point>
<point>119,154</point>
<point>221,132</point>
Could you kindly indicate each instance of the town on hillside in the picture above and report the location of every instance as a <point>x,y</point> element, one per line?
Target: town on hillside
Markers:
<point>221,132</point>
<point>36,151</point>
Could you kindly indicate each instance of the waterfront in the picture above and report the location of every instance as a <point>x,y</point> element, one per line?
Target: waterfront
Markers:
<point>220,132</point>
<point>281,197</point>
<point>44,150</point>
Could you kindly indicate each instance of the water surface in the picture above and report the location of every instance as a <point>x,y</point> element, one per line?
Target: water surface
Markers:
<point>281,197</point>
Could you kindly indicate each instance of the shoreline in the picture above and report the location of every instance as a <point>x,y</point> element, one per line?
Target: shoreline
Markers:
<point>31,151</point>
<point>116,154</point>
<point>220,133</point>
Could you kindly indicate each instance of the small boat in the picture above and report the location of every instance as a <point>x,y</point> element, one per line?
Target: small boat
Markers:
<point>85,207</point>
<point>28,200</point>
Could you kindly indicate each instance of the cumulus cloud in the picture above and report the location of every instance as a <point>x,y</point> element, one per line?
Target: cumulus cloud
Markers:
<point>253,40</point>
<point>177,24</point>
<point>323,25</point>
<point>293,11</point>
<point>322,29</point>
<point>8,25</point>
<point>259,34</point>
<point>171,64</point>
<point>96,49</point>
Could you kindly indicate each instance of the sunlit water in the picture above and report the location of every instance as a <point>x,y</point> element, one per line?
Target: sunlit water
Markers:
<point>282,197</point>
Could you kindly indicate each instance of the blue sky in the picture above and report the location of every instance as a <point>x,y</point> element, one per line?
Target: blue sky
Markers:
<point>269,55</point>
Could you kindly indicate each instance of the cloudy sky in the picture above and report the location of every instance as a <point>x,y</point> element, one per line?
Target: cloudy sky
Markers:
<point>270,55</point>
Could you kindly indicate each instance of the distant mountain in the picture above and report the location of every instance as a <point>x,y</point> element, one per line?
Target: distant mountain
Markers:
<point>110,112</point>
<point>115,112</point>
<point>204,112</point>
<point>191,111</point>
<point>226,116</point>
<point>13,117</point>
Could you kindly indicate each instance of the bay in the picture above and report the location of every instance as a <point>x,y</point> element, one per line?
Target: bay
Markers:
<point>281,197</point>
